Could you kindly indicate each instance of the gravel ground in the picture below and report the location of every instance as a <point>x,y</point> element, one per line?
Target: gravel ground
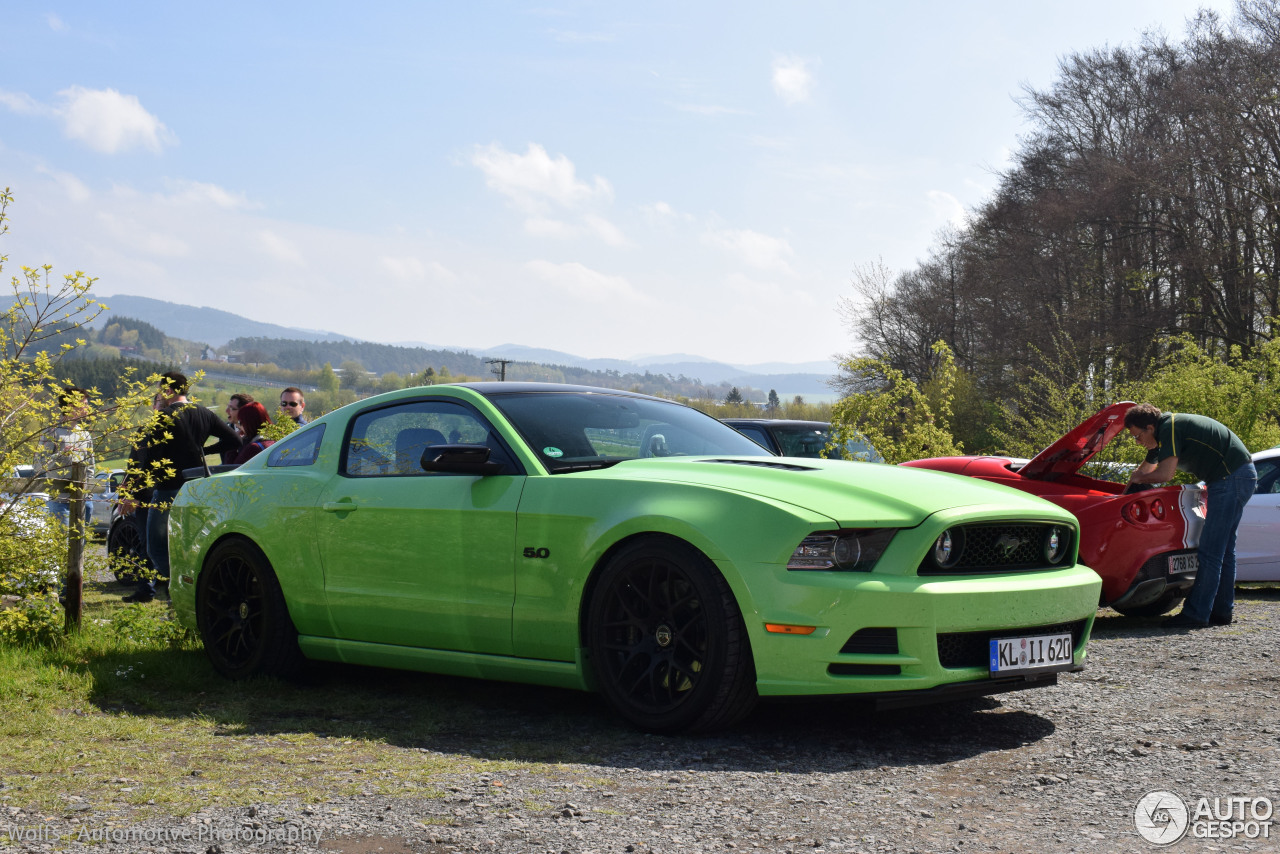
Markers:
<point>1050,770</point>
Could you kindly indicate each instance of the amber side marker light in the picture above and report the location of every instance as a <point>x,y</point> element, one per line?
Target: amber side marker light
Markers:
<point>781,629</point>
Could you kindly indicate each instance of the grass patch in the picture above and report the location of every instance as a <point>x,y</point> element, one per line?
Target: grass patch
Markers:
<point>129,714</point>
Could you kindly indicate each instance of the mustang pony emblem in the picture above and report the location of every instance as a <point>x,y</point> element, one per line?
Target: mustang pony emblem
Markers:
<point>1008,544</point>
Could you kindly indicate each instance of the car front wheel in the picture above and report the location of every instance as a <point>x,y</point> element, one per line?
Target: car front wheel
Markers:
<point>127,550</point>
<point>667,644</point>
<point>242,616</point>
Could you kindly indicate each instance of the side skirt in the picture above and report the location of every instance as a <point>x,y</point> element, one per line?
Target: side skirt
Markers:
<point>557,674</point>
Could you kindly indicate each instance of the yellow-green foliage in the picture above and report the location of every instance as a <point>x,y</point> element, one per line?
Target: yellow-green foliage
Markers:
<point>896,416</point>
<point>1240,392</point>
<point>33,341</point>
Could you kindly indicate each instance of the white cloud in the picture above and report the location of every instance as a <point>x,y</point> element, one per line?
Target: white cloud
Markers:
<point>555,229</point>
<point>791,79</point>
<point>141,237</point>
<point>411,269</point>
<point>947,207</point>
<point>583,283</point>
<point>110,122</point>
<point>74,188</point>
<point>606,231</point>
<point>22,103</point>
<point>55,23</point>
<point>756,292</point>
<point>280,248</point>
<point>198,193</point>
<point>535,178</point>
<point>758,250</point>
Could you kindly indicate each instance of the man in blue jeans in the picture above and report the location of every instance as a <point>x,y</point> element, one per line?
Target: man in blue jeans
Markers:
<point>1211,452</point>
<point>176,441</point>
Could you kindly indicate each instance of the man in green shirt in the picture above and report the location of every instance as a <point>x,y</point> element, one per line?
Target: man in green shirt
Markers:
<point>1211,452</point>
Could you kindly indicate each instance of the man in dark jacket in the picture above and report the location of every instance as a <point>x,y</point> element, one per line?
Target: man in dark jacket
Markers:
<point>1211,452</point>
<point>175,442</point>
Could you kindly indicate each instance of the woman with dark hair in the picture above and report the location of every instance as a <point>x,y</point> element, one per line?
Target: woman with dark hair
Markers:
<point>251,417</point>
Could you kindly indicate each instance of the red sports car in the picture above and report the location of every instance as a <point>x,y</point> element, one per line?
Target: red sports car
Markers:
<point>1143,544</point>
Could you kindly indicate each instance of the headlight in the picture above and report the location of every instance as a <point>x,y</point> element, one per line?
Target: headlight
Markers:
<point>1057,541</point>
<point>854,550</point>
<point>948,548</point>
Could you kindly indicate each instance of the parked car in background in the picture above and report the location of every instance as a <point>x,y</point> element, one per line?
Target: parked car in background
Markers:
<point>1258,538</point>
<point>1143,545</point>
<point>604,540</point>
<point>34,565</point>
<point>102,501</point>
<point>790,438</point>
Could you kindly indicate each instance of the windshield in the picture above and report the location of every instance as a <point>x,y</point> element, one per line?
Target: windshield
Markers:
<point>572,431</point>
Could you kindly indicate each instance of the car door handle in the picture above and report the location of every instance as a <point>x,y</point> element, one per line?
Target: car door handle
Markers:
<point>339,506</point>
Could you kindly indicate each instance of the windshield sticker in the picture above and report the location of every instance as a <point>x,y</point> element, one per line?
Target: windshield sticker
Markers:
<point>553,452</point>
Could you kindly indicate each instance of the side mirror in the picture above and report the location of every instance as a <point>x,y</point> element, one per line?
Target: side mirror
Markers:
<point>459,459</point>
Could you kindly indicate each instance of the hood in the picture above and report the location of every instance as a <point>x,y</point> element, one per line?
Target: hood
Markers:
<point>1073,450</point>
<point>851,493</point>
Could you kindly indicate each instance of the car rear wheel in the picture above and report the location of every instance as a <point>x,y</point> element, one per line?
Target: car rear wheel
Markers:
<point>1166,603</point>
<point>127,550</point>
<point>242,617</point>
<point>667,644</point>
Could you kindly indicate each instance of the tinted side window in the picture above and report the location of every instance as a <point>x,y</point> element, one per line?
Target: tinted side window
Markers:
<point>300,449</point>
<point>755,434</point>
<point>389,441</point>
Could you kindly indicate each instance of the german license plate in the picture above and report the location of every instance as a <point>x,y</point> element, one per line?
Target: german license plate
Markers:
<point>1036,652</point>
<point>1183,563</point>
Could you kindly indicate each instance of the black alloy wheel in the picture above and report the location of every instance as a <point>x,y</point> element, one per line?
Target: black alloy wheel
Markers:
<point>127,550</point>
<point>242,616</point>
<point>666,639</point>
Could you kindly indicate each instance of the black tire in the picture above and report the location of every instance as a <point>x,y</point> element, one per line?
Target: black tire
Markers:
<point>127,549</point>
<point>242,616</point>
<point>666,640</point>
<point>1166,603</point>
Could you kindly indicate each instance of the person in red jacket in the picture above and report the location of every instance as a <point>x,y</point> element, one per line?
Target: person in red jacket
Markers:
<point>252,417</point>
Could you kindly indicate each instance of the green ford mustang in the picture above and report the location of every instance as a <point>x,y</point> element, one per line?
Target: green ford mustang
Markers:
<point>609,541</point>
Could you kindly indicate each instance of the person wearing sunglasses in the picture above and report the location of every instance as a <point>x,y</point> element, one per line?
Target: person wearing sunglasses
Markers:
<point>292,403</point>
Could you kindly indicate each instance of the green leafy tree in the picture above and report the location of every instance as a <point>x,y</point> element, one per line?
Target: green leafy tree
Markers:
<point>328,381</point>
<point>1243,392</point>
<point>774,404</point>
<point>34,347</point>
<point>895,414</point>
<point>734,397</point>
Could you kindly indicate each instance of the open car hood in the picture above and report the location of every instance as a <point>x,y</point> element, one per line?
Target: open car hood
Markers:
<point>1073,450</point>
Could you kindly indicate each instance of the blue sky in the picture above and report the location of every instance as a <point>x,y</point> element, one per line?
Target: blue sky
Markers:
<point>608,180</point>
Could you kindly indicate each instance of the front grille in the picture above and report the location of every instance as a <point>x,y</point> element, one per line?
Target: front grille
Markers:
<point>1000,547</point>
<point>973,649</point>
<point>873,641</point>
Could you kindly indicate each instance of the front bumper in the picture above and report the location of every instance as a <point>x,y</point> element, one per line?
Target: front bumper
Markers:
<point>891,634</point>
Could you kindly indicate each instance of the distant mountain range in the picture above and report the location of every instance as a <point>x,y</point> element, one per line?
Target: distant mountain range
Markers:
<point>216,327</point>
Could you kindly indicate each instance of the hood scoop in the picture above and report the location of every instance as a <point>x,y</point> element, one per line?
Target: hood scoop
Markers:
<point>764,464</point>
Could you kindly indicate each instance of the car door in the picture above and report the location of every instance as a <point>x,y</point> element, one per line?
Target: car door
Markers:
<point>414,558</point>
<point>1258,538</point>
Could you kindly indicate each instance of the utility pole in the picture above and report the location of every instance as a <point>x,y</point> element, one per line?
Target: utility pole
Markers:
<point>501,370</point>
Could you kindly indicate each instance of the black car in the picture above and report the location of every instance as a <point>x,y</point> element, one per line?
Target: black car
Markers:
<point>789,438</point>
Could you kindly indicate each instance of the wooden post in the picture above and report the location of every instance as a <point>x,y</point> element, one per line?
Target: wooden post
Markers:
<point>74,586</point>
